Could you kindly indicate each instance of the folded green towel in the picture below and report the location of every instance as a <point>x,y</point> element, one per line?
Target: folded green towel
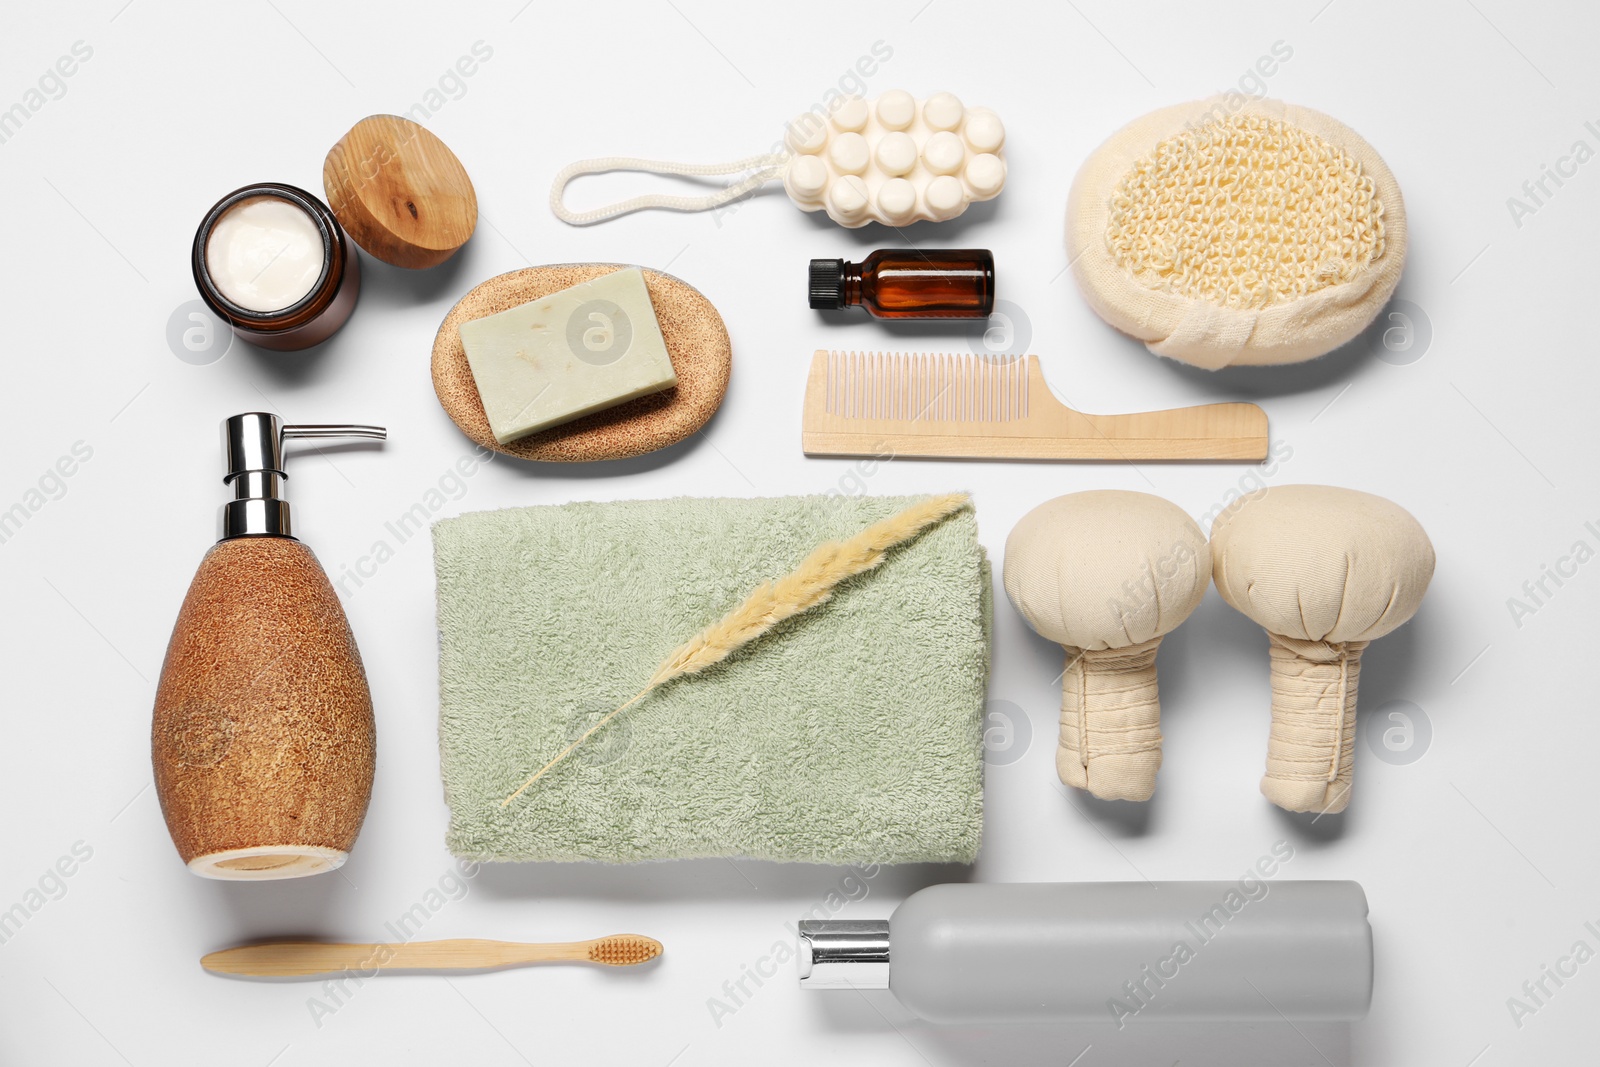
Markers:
<point>848,734</point>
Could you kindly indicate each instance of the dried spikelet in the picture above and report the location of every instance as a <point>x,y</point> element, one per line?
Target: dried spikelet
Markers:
<point>807,586</point>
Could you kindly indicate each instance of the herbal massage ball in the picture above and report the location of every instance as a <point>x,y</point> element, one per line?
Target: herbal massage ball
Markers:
<point>1236,231</point>
<point>1107,574</point>
<point>1324,571</point>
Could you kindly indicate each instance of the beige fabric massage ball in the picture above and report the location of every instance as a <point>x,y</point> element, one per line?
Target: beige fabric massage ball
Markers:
<point>1107,574</point>
<point>1236,231</point>
<point>1324,571</point>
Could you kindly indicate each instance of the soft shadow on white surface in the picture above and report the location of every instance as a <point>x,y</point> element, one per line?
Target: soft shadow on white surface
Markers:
<point>1244,383</point>
<point>608,468</point>
<point>877,235</point>
<point>385,287</point>
<point>706,880</point>
<point>1276,1044</point>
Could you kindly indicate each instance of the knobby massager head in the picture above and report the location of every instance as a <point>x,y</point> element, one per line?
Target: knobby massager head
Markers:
<point>894,160</point>
<point>1324,571</point>
<point>1107,574</point>
<point>1233,231</point>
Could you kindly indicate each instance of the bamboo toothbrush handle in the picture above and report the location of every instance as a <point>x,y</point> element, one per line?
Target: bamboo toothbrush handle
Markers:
<point>282,959</point>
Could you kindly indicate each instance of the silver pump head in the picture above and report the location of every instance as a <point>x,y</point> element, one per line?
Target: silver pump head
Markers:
<point>844,953</point>
<point>252,446</point>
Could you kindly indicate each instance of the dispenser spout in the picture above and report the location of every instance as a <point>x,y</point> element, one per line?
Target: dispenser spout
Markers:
<point>252,445</point>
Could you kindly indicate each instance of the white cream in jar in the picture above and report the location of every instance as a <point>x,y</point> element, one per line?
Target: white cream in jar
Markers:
<point>272,262</point>
<point>265,254</point>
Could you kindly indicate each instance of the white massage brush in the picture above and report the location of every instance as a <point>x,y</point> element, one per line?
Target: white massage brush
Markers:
<point>894,160</point>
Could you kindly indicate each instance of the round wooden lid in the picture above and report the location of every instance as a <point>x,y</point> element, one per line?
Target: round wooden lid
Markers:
<point>399,192</point>
<point>696,340</point>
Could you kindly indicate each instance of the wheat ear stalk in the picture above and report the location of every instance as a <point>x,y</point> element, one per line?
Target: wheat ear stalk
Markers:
<point>802,589</point>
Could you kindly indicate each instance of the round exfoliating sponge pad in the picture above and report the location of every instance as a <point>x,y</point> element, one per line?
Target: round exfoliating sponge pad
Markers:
<point>1225,233</point>
<point>697,342</point>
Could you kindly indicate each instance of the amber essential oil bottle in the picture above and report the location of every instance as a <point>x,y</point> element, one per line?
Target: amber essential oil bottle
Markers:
<point>909,284</point>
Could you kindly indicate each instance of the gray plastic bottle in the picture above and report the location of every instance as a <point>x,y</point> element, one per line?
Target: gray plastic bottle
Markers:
<point>1249,950</point>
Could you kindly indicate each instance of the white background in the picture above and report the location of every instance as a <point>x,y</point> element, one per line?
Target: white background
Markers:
<point>1478,857</point>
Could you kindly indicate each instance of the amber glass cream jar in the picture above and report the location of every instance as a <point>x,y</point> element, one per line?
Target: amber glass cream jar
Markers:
<point>272,262</point>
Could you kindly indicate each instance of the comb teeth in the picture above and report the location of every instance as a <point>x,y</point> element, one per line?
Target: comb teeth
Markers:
<point>623,950</point>
<point>927,387</point>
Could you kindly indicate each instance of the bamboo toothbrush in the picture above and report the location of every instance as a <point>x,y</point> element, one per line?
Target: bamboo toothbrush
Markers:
<point>284,959</point>
<point>981,407</point>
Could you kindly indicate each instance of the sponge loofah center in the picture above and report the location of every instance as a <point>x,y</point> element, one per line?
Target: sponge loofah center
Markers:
<point>1245,212</point>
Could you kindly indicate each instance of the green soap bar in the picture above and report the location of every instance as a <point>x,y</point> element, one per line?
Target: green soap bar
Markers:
<point>565,355</point>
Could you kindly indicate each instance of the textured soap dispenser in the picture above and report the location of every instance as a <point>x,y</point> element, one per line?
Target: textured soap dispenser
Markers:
<point>263,736</point>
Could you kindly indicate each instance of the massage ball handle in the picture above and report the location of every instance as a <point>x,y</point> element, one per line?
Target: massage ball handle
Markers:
<point>263,736</point>
<point>968,953</point>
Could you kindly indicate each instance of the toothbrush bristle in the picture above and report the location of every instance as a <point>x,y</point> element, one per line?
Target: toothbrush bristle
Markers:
<point>624,950</point>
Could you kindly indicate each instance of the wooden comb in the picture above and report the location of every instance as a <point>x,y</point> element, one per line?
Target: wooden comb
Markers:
<point>985,407</point>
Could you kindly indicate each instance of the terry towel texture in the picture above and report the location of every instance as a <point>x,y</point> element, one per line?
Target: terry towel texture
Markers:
<point>849,734</point>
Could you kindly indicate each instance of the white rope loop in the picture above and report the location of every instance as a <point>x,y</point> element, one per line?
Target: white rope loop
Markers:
<point>765,168</point>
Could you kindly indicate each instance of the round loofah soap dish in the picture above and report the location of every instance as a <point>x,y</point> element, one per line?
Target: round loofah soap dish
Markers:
<point>696,340</point>
<point>1230,231</point>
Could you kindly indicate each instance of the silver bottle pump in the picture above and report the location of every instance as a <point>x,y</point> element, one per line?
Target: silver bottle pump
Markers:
<point>971,953</point>
<point>253,446</point>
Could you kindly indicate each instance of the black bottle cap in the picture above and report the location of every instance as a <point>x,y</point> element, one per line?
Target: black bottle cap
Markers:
<point>827,284</point>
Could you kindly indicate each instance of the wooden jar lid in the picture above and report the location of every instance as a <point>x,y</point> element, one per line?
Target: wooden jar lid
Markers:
<point>696,340</point>
<point>399,192</point>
